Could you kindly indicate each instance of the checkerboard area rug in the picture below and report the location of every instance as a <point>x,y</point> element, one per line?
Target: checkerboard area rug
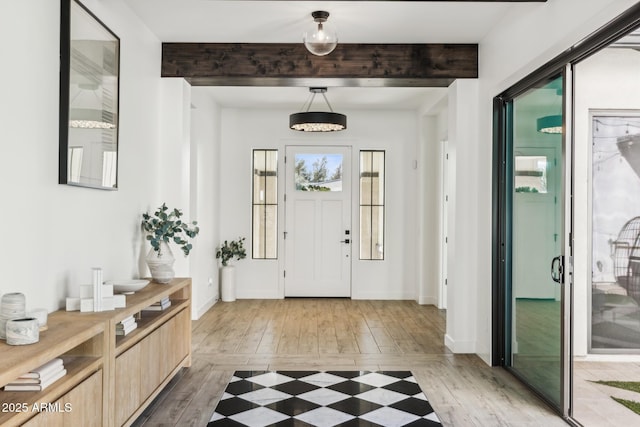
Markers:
<point>323,399</point>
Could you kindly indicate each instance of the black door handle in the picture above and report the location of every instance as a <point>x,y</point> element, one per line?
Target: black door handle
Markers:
<point>345,241</point>
<point>559,260</point>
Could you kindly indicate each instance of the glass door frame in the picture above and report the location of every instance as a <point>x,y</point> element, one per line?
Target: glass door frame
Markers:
<point>503,232</point>
<point>501,225</point>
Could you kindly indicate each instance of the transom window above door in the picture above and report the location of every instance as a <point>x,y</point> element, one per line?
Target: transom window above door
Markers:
<point>318,172</point>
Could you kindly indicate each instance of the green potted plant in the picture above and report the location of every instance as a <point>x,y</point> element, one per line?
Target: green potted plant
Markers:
<point>227,252</point>
<point>163,227</point>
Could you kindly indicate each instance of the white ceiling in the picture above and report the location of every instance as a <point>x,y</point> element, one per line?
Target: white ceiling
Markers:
<point>356,22</point>
<point>340,98</point>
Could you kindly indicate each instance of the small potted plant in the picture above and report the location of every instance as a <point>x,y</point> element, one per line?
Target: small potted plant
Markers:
<point>227,252</point>
<point>163,227</point>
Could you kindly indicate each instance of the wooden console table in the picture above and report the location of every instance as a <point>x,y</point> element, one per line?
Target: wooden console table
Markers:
<point>110,379</point>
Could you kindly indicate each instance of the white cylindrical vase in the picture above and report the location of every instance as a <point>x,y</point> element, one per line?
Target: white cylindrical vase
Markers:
<point>23,331</point>
<point>12,306</point>
<point>228,283</point>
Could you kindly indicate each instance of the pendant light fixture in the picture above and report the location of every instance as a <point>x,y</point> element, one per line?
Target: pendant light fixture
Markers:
<point>549,124</point>
<point>86,118</point>
<point>322,38</point>
<point>317,121</point>
<point>87,111</point>
<point>552,123</point>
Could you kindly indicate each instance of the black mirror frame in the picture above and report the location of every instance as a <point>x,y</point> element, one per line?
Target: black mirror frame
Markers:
<point>64,110</point>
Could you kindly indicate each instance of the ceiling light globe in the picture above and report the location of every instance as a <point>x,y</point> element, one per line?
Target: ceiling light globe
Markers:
<point>321,39</point>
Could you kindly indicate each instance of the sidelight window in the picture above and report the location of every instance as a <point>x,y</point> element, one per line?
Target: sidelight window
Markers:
<point>265,204</point>
<point>372,205</point>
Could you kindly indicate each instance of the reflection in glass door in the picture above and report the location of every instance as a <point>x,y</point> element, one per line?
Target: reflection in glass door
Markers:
<point>534,189</point>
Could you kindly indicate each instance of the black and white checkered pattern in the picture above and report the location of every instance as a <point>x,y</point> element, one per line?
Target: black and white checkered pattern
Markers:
<point>323,399</point>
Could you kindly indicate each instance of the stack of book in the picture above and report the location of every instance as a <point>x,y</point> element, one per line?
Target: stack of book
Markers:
<point>40,378</point>
<point>163,304</point>
<point>127,325</point>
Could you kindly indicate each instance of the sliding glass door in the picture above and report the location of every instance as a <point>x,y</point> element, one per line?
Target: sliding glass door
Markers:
<point>534,213</point>
<point>585,102</point>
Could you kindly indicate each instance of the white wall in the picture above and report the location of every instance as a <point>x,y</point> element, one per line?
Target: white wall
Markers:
<point>462,258</point>
<point>205,184</point>
<point>396,132</point>
<point>53,234</point>
<point>174,158</point>
<point>189,180</point>
<point>433,130</point>
<point>606,81</point>
<point>429,177</point>
<point>510,52</point>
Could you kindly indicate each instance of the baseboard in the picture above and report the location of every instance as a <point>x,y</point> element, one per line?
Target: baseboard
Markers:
<point>614,358</point>
<point>257,295</point>
<point>204,308</point>
<point>427,300</point>
<point>459,347</point>
<point>381,296</point>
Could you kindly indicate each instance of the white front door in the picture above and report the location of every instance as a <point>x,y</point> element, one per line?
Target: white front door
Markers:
<point>318,235</point>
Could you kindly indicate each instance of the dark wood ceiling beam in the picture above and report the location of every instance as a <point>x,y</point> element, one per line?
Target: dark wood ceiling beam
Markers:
<point>261,64</point>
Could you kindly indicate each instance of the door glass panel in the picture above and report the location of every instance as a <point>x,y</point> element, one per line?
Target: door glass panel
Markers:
<point>615,281</point>
<point>536,214</point>
<point>318,172</point>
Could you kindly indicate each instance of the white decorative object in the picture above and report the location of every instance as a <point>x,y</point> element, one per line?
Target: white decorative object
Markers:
<point>12,306</point>
<point>73,304</point>
<point>97,288</point>
<point>120,286</point>
<point>160,264</point>
<point>23,331</point>
<point>119,301</point>
<point>86,304</point>
<point>88,300</point>
<point>107,304</point>
<point>228,283</point>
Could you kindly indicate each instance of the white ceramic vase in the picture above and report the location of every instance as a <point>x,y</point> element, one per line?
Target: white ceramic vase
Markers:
<point>161,264</point>
<point>228,283</point>
<point>12,306</point>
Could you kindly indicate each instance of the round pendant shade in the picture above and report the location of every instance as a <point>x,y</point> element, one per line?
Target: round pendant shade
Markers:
<point>317,121</point>
<point>549,124</point>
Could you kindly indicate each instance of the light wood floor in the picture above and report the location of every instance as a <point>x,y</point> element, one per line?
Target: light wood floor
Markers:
<point>593,405</point>
<point>341,334</point>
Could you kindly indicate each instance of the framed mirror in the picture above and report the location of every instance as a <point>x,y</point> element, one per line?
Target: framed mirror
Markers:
<point>89,96</point>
